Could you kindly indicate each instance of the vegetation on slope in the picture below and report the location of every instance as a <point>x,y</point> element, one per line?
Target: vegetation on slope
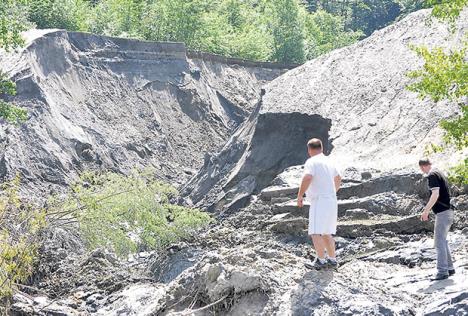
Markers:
<point>20,227</point>
<point>12,23</point>
<point>127,213</point>
<point>289,31</point>
<point>444,76</point>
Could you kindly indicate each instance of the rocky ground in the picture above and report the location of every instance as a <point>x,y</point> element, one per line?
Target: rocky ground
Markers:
<point>251,262</point>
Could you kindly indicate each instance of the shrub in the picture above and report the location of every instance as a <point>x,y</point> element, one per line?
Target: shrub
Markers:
<point>443,75</point>
<point>129,213</point>
<point>459,173</point>
<point>20,226</point>
<point>71,15</point>
<point>8,111</point>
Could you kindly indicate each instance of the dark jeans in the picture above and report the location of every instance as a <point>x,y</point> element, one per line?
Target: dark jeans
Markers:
<point>443,222</point>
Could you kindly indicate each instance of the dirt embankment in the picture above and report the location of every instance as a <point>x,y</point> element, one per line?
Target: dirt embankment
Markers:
<point>96,102</point>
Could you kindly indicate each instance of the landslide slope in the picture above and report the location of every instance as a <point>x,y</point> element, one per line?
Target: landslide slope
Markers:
<point>97,102</point>
<point>354,99</point>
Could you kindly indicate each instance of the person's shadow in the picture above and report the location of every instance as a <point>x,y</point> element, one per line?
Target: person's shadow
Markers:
<point>436,286</point>
<point>308,292</point>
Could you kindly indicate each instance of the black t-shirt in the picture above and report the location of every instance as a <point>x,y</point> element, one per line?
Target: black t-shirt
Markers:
<point>437,180</point>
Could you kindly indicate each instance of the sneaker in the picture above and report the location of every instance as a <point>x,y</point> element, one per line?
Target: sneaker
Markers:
<point>440,276</point>
<point>317,265</point>
<point>333,264</point>
<point>451,272</point>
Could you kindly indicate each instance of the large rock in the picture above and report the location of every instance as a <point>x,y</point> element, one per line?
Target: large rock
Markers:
<point>354,99</point>
<point>97,102</point>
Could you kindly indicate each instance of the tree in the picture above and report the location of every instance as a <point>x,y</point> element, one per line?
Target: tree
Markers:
<point>8,111</point>
<point>237,28</point>
<point>176,20</point>
<point>366,15</point>
<point>122,18</point>
<point>71,15</point>
<point>370,15</point>
<point>444,77</point>
<point>447,10</point>
<point>408,6</point>
<point>287,28</point>
<point>13,21</point>
<point>326,32</point>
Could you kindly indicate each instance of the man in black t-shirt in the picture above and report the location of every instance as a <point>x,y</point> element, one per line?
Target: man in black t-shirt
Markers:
<point>439,202</point>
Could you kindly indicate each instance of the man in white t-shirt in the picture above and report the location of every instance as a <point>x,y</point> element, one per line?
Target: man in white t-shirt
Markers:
<point>320,183</point>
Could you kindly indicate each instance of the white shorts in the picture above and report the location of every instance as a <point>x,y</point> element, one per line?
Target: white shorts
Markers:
<point>323,215</point>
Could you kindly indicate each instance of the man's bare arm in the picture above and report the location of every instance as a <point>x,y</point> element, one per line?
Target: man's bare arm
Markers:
<point>306,181</point>
<point>337,181</point>
<point>430,204</point>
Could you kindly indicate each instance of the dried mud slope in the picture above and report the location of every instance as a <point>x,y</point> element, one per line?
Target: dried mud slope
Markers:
<point>97,102</point>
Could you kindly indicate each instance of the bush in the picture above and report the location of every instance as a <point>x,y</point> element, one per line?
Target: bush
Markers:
<point>118,18</point>
<point>71,15</point>
<point>20,226</point>
<point>447,10</point>
<point>443,75</point>
<point>326,32</point>
<point>12,113</point>
<point>8,111</point>
<point>13,21</point>
<point>459,173</point>
<point>129,213</point>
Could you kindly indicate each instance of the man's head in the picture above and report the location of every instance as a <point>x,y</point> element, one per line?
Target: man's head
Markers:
<point>425,165</point>
<point>314,147</point>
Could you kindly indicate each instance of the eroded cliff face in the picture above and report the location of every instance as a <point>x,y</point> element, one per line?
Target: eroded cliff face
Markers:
<point>97,102</point>
<point>354,99</point>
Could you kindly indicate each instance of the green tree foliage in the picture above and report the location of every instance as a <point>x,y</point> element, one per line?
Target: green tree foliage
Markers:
<point>8,111</point>
<point>178,20</point>
<point>117,18</point>
<point>326,32</point>
<point>444,76</point>
<point>287,27</point>
<point>447,10</point>
<point>128,213</point>
<point>265,30</point>
<point>457,129</point>
<point>237,29</point>
<point>370,15</point>
<point>459,173</point>
<point>408,6</point>
<point>63,14</point>
<point>13,21</point>
<point>366,15</point>
<point>20,226</point>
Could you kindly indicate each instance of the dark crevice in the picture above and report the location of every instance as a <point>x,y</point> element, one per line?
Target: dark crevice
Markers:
<point>279,142</point>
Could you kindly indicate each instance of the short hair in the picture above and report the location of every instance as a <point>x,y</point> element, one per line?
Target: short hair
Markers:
<point>315,143</point>
<point>424,162</point>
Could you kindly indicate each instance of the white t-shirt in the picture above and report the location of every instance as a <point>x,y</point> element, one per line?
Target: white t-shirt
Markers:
<point>323,173</point>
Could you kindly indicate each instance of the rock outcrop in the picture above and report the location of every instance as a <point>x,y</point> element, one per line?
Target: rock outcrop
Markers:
<point>353,98</point>
<point>97,102</point>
